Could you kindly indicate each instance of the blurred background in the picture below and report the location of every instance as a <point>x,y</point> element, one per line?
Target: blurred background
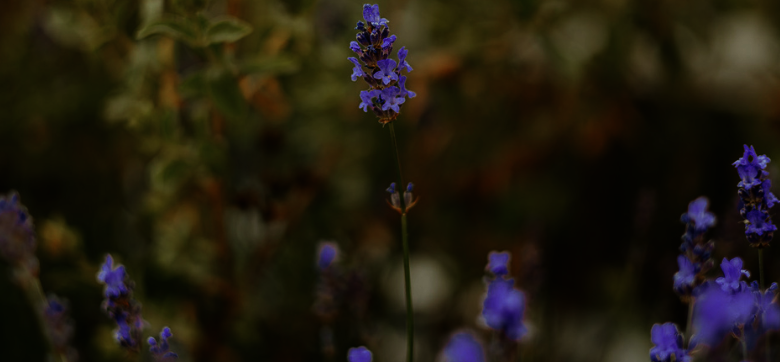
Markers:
<point>571,133</point>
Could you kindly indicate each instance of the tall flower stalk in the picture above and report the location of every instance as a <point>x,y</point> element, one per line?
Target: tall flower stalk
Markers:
<point>755,200</point>
<point>385,94</point>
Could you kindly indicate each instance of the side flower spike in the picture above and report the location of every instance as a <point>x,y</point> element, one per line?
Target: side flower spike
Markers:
<point>161,350</point>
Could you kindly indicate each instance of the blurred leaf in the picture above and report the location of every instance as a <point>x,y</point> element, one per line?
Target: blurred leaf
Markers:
<point>193,85</point>
<point>276,65</point>
<point>178,28</point>
<point>223,90</point>
<point>227,29</point>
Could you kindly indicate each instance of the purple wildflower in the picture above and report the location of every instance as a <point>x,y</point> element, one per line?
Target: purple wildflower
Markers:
<point>697,217</point>
<point>366,99</point>
<point>359,354</point>
<point>392,99</point>
<point>405,92</point>
<point>328,252</point>
<point>17,238</point>
<point>402,64</point>
<point>750,167</point>
<point>732,273</point>
<point>386,71</point>
<point>758,224</point>
<point>357,71</point>
<point>767,315</point>
<point>498,263</point>
<point>463,347</point>
<point>371,15</point>
<point>113,278</point>
<point>667,344</point>
<point>120,305</point>
<point>685,278</point>
<point>717,312</point>
<point>355,47</point>
<point>388,42</point>
<point>504,307</point>
<point>161,350</point>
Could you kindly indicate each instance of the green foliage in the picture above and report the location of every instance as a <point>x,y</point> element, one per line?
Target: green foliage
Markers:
<point>197,31</point>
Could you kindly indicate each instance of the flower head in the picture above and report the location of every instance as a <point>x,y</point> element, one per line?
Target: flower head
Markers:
<point>357,71</point>
<point>463,347</point>
<point>750,167</point>
<point>667,344</point>
<point>17,238</point>
<point>732,273</point>
<point>359,354</point>
<point>392,99</point>
<point>697,217</point>
<point>371,15</point>
<point>759,224</point>
<point>498,263</point>
<point>402,64</point>
<point>717,312</point>
<point>386,71</point>
<point>113,278</point>
<point>504,307</point>
<point>367,99</point>
<point>326,255</point>
<point>161,350</point>
<point>685,278</point>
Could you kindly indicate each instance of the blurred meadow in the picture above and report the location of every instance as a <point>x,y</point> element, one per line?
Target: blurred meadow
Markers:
<point>212,162</point>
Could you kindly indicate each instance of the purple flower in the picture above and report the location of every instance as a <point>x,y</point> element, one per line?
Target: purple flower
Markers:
<point>357,71</point>
<point>366,99</point>
<point>359,354</point>
<point>497,263</point>
<point>17,238</point>
<point>463,347</point>
<point>388,42</point>
<point>769,197</point>
<point>120,305</point>
<point>759,224</point>
<point>750,167</point>
<point>59,327</point>
<point>386,71</point>
<point>395,197</point>
<point>371,15</point>
<point>161,350</point>
<point>504,307</point>
<point>355,47</point>
<point>113,278</point>
<point>684,279</point>
<point>326,255</point>
<point>402,64</point>
<point>717,312</point>
<point>391,96</point>
<point>698,216</point>
<point>732,273</point>
<point>405,92</point>
<point>667,344</point>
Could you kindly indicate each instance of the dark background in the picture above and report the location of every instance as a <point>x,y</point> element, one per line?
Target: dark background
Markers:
<point>572,134</point>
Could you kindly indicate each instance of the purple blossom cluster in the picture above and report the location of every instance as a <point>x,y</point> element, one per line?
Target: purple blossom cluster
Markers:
<point>17,239</point>
<point>504,305</point>
<point>161,350</point>
<point>463,347</point>
<point>755,198</point>
<point>695,260</point>
<point>668,344</point>
<point>120,305</point>
<point>387,87</point>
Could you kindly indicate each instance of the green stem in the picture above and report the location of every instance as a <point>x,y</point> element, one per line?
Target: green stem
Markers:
<point>38,301</point>
<point>407,272</point>
<point>408,282</point>
<point>761,266</point>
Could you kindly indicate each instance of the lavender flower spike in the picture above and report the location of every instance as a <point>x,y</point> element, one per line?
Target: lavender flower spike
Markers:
<point>161,350</point>
<point>504,307</point>
<point>498,263</point>
<point>667,344</point>
<point>120,305</point>
<point>755,197</point>
<point>359,354</point>
<point>327,254</point>
<point>463,347</point>
<point>17,238</point>
<point>374,46</point>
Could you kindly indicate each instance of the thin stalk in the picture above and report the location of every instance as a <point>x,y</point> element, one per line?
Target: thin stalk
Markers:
<point>407,272</point>
<point>688,327</point>
<point>408,282</point>
<point>34,293</point>
<point>761,266</point>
